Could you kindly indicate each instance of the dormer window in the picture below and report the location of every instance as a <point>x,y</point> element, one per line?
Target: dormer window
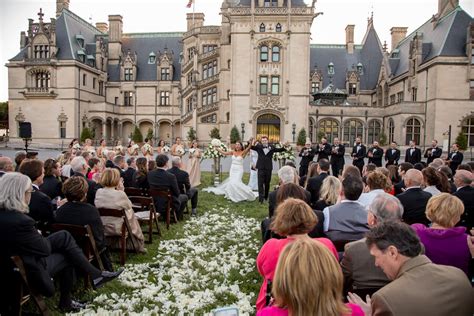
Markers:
<point>128,74</point>
<point>91,60</point>
<point>41,51</point>
<point>262,27</point>
<point>165,74</point>
<point>352,88</point>
<point>314,87</point>
<point>80,40</point>
<point>151,58</point>
<point>331,69</point>
<point>360,69</point>
<point>264,53</point>
<point>278,27</point>
<point>81,55</point>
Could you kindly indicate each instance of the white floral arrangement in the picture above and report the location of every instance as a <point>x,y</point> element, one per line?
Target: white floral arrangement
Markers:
<point>77,146</point>
<point>211,151</point>
<point>180,150</point>
<point>192,151</point>
<point>118,149</point>
<point>216,142</point>
<point>288,154</point>
<point>148,148</point>
<point>165,149</point>
<point>135,147</point>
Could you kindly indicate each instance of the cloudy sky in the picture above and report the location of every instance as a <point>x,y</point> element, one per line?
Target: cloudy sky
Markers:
<point>170,15</point>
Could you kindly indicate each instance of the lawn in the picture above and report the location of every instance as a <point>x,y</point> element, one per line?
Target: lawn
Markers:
<point>199,264</point>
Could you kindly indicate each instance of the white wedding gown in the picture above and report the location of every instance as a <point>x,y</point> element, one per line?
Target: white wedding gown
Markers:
<point>233,188</point>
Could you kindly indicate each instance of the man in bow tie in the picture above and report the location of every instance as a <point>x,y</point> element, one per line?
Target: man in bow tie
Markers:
<point>358,154</point>
<point>375,154</point>
<point>413,154</point>
<point>433,152</point>
<point>455,158</point>
<point>392,155</point>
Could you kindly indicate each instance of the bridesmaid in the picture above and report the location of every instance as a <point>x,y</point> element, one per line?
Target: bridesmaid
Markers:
<point>147,149</point>
<point>161,144</point>
<point>132,149</point>
<point>88,147</point>
<point>102,149</point>
<point>119,150</point>
<point>194,164</point>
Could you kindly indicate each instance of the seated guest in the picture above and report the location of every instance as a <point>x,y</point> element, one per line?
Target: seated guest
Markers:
<point>120,164</point>
<point>314,183</point>
<point>414,199</point>
<point>41,207</point>
<point>32,155</point>
<point>431,181</point>
<point>128,174</point>
<point>347,220</point>
<point>377,183</point>
<point>65,162</point>
<point>358,266</point>
<point>183,183</point>
<point>95,167</point>
<point>312,172</point>
<point>79,167</point>
<point>366,170</point>
<point>418,287</point>
<point>160,178</point>
<point>329,193</point>
<point>449,174</point>
<point>293,219</point>
<point>464,166</point>
<point>151,165</point>
<point>308,281</point>
<point>350,170</point>
<point>402,170</point>
<point>6,165</point>
<point>444,243</point>
<point>286,174</point>
<point>19,157</point>
<point>52,184</point>
<point>109,163</point>
<point>140,176</point>
<point>465,192</point>
<point>112,196</point>
<point>393,174</point>
<point>77,212</point>
<point>44,258</point>
<point>436,163</point>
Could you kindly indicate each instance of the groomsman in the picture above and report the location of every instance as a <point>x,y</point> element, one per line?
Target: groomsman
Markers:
<point>307,154</point>
<point>455,158</point>
<point>324,149</point>
<point>413,154</point>
<point>433,152</point>
<point>392,155</point>
<point>375,154</point>
<point>337,157</point>
<point>358,154</point>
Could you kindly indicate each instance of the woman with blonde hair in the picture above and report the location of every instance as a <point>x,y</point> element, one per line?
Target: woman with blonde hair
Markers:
<point>112,196</point>
<point>329,193</point>
<point>294,219</point>
<point>308,281</point>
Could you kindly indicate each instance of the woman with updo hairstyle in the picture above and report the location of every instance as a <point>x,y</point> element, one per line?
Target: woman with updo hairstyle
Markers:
<point>435,182</point>
<point>140,179</point>
<point>308,281</point>
<point>294,219</point>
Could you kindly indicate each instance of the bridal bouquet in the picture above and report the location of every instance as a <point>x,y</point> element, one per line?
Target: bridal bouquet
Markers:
<point>148,148</point>
<point>165,149</point>
<point>180,150</point>
<point>77,146</point>
<point>135,147</point>
<point>284,155</point>
<point>192,151</point>
<point>211,152</point>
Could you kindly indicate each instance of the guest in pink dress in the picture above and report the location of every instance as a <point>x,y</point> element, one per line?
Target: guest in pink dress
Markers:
<point>294,219</point>
<point>308,281</point>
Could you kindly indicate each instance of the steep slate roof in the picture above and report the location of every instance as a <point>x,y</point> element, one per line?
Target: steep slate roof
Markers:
<point>448,38</point>
<point>369,53</point>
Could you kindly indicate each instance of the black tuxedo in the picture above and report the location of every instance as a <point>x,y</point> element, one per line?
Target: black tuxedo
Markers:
<point>92,190</point>
<point>398,187</point>
<point>324,152</point>
<point>392,157</point>
<point>41,208</point>
<point>337,159</point>
<point>307,155</point>
<point>52,187</point>
<point>414,204</point>
<point>314,185</point>
<point>128,177</point>
<point>432,155</point>
<point>414,157</point>
<point>377,154</point>
<point>265,167</point>
<point>162,179</point>
<point>466,195</point>
<point>185,186</point>
<point>358,156</point>
<point>456,159</point>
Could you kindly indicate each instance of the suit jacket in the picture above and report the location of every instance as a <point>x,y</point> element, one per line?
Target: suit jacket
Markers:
<point>314,185</point>
<point>140,181</point>
<point>456,159</point>
<point>128,177</point>
<point>392,158</point>
<point>466,195</point>
<point>162,179</point>
<point>358,155</point>
<point>424,288</point>
<point>272,201</point>
<point>414,205</point>
<point>413,158</point>
<point>265,161</point>
<point>337,153</point>
<point>182,177</point>
<point>306,155</point>
<point>92,190</point>
<point>432,155</point>
<point>377,154</point>
<point>323,153</point>
<point>41,208</point>
<point>52,187</point>
<point>398,187</point>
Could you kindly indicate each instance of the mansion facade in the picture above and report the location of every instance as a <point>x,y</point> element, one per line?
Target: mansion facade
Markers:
<point>256,71</point>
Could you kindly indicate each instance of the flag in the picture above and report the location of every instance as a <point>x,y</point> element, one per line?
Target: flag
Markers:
<point>190,3</point>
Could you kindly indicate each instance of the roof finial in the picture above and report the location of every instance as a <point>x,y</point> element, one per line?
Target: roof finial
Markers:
<point>41,14</point>
<point>384,47</point>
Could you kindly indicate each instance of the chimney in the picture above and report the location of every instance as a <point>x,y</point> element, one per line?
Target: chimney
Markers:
<point>102,26</point>
<point>115,38</point>
<point>22,40</point>
<point>60,5</point>
<point>350,38</point>
<point>446,6</point>
<point>198,20</point>
<point>398,34</point>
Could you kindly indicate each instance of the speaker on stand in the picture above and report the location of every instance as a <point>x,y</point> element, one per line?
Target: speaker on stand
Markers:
<point>25,133</point>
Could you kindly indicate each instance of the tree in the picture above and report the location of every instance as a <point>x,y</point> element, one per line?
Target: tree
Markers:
<point>234,135</point>
<point>320,135</point>
<point>215,133</point>
<point>137,136</point>
<point>382,139</point>
<point>192,134</point>
<point>86,133</point>
<point>4,111</point>
<point>301,137</point>
<point>149,134</point>
<point>461,140</point>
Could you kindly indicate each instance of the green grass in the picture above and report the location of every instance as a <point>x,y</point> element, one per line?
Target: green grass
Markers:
<point>248,283</point>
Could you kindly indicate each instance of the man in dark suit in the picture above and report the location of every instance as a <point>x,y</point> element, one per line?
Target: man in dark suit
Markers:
<point>402,170</point>
<point>120,164</point>
<point>455,158</point>
<point>413,154</point>
<point>324,149</point>
<point>307,155</point>
<point>79,167</point>
<point>465,192</point>
<point>414,199</point>
<point>52,186</point>
<point>162,179</point>
<point>315,183</point>
<point>358,154</point>
<point>129,173</point>
<point>375,154</point>
<point>337,157</point>
<point>392,155</point>
<point>264,166</point>
<point>6,165</point>
<point>433,152</point>
<point>183,183</point>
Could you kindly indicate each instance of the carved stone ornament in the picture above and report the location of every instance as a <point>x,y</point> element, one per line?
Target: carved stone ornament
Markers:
<point>20,117</point>
<point>62,117</point>
<point>269,102</point>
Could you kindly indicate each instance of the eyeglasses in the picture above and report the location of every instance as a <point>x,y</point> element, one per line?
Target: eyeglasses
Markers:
<point>29,191</point>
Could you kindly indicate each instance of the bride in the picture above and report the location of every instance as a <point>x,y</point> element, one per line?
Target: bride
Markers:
<point>233,188</point>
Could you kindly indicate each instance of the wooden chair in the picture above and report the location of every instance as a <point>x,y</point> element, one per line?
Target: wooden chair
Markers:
<point>166,194</point>
<point>146,204</point>
<point>126,230</point>
<point>131,191</point>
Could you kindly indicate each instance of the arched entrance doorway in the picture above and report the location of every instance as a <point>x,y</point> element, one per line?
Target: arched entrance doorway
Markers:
<point>269,124</point>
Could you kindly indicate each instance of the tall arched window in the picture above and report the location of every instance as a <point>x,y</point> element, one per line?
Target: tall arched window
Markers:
<point>264,53</point>
<point>330,128</point>
<point>413,131</point>
<point>391,131</point>
<point>374,131</point>
<point>353,129</point>
<point>467,129</point>
<point>275,53</point>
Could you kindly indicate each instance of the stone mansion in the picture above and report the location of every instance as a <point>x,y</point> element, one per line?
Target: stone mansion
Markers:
<point>257,71</point>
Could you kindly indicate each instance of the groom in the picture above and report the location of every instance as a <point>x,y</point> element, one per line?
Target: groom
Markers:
<point>264,166</point>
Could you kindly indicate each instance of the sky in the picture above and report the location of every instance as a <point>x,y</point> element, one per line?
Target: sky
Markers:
<point>170,15</point>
